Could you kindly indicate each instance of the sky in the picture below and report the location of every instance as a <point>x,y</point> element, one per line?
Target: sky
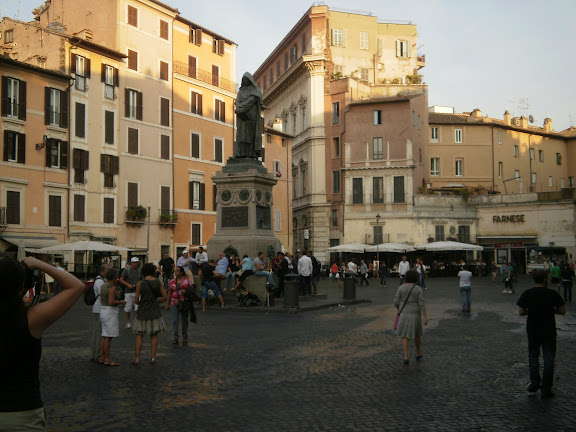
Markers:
<point>518,55</point>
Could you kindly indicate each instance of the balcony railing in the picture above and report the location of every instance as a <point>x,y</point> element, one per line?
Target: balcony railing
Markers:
<point>167,217</point>
<point>205,76</point>
<point>136,215</point>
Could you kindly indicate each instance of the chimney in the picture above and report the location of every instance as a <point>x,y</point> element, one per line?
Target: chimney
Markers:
<point>507,117</point>
<point>476,113</point>
<point>523,122</point>
<point>548,124</point>
<point>277,125</point>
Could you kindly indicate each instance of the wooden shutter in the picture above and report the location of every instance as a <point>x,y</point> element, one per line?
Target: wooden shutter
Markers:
<point>223,111</point>
<point>191,35</point>
<point>4,96</point>
<point>132,60</point>
<point>103,158</point>
<point>132,141</point>
<point>109,127</point>
<point>85,160</point>
<point>76,158</point>
<point>165,147</point>
<point>191,195</point>
<point>116,77</point>
<point>47,105</point>
<point>54,210</point>
<point>218,150</point>
<point>199,105</point>
<point>139,106</point>
<point>6,146</point>
<point>80,120</point>
<point>132,194</point>
<point>48,153</point>
<point>63,109</point>
<point>115,165</point>
<point>193,104</point>
<point>164,71</point>
<point>199,37</point>
<point>102,72</point>
<point>163,29</point>
<point>73,63</point>
<point>64,155</point>
<point>126,102</point>
<point>12,207</point>
<point>195,145</point>
<point>202,196</point>
<point>22,100</point>
<point>164,112</point>
<point>398,52</point>
<point>87,68</point>
<point>196,237</point>
<point>164,198</point>
<point>108,210</point>
<point>399,190</point>
<point>215,73</point>
<point>192,67</point>
<point>79,203</point>
<point>21,158</point>
<point>221,45</point>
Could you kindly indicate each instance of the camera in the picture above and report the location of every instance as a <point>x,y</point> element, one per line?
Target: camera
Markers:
<point>33,280</point>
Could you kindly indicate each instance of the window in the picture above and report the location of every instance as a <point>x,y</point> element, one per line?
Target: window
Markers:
<point>132,60</point>
<point>377,190</point>
<point>541,155</point>
<point>13,207</point>
<point>56,154</point>
<point>271,76</point>
<point>363,40</point>
<point>357,191</point>
<point>303,110</point>
<point>109,166</point>
<point>165,147</point>
<point>558,159</point>
<point>14,147</point>
<point>419,122</point>
<point>80,126</point>
<point>219,110</point>
<point>54,210</point>
<point>303,43</point>
<point>132,16</point>
<point>336,182</point>
<point>532,156</point>
<point>434,166</point>
<point>80,163</point>
<point>500,169</point>
<point>109,127</point>
<point>377,149</point>
<point>79,208</point>
<point>9,36</point>
<point>196,190</point>
<point>164,111</point>
<point>550,181</point>
<point>196,103</point>
<point>294,123</point>
<point>196,36</point>
<point>304,183</point>
<point>363,74</point>
<point>378,234</point>
<point>464,234</point>
<point>164,29</point>
<point>562,183</point>
<point>278,221</point>
<point>110,80</point>
<point>334,218</point>
<point>459,167</point>
<point>133,141</point>
<point>571,182</point>
<point>264,86</point>
<point>133,199</point>
<point>165,198</point>
<point>218,150</point>
<point>516,174</point>
<point>516,152</point>
<point>336,113</point>
<point>399,196</point>
<point>293,53</point>
<point>13,98</point>
<point>285,62</point>
<point>195,145</point>
<point>196,234</point>
<point>133,104</point>
<point>413,118</point>
<point>339,37</point>
<point>164,71</point>
<point>80,66</point>
<point>218,47</point>
<point>377,115</point>
<point>458,136</point>
<point>499,137</point>
<point>278,69</point>
<point>533,178</point>
<point>336,145</point>
<point>401,48</point>
<point>108,216</point>
<point>56,108</point>
<point>433,134</point>
<point>439,232</point>
<point>192,67</point>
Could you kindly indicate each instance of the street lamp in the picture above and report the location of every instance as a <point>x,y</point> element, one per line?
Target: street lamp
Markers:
<point>377,236</point>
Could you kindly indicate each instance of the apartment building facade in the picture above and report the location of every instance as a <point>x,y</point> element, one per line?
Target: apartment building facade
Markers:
<point>507,155</point>
<point>34,169</point>
<point>327,45</point>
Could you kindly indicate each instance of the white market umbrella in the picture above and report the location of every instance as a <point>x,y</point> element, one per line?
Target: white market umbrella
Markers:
<point>449,246</point>
<point>390,247</point>
<point>79,246</point>
<point>349,247</point>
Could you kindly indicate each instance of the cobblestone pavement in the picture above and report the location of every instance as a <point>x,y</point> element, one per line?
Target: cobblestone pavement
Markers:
<point>333,369</point>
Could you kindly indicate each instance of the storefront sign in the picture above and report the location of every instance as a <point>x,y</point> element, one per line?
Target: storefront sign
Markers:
<point>508,245</point>
<point>511,218</point>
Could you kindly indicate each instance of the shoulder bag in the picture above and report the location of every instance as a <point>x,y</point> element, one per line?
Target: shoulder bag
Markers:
<point>400,311</point>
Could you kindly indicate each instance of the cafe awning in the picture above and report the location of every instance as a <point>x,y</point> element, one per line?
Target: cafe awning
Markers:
<point>28,242</point>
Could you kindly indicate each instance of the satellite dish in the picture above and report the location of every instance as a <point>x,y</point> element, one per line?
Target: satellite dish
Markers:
<point>531,118</point>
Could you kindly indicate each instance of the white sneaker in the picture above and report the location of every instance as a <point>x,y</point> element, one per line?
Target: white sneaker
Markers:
<point>505,292</point>
<point>128,326</point>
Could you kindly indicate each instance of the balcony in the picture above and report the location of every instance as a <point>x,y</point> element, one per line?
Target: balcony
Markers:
<point>205,76</point>
<point>168,218</point>
<point>136,215</point>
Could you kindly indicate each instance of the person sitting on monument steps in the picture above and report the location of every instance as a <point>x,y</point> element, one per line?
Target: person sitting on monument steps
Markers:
<point>246,266</point>
<point>207,274</point>
<point>260,269</point>
<point>249,119</point>
<point>221,267</point>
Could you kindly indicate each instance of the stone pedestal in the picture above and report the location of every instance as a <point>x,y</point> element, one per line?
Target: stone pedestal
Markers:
<point>244,209</point>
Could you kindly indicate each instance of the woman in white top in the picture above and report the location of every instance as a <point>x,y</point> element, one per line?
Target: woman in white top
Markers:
<point>465,287</point>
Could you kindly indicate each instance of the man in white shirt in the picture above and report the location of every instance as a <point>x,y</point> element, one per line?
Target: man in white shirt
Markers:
<point>201,256</point>
<point>352,266</point>
<point>96,335</point>
<point>305,270</point>
<point>403,267</point>
<point>465,287</point>
<point>184,262</point>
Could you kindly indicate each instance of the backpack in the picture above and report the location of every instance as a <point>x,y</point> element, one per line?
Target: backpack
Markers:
<point>90,296</point>
<point>315,266</point>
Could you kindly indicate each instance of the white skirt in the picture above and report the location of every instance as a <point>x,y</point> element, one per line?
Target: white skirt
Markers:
<point>109,320</point>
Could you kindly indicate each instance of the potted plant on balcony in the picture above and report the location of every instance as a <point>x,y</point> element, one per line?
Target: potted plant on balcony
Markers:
<point>165,217</point>
<point>139,213</point>
<point>174,217</point>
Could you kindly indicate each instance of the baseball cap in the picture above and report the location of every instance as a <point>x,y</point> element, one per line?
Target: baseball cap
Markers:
<point>184,251</point>
<point>134,259</point>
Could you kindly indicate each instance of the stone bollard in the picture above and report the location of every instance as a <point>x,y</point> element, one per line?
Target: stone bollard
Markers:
<point>349,286</point>
<point>291,290</point>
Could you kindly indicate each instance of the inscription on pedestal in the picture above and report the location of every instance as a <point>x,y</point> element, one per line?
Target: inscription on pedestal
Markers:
<point>234,217</point>
<point>263,220</point>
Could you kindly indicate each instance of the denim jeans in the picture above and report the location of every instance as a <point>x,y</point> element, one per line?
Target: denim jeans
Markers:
<point>230,276</point>
<point>383,278</point>
<point>465,293</point>
<point>178,315</point>
<point>548,344</point>
<point>567,290</point>
<point>269,275</point>
<point>422,280</point>
<point>306,285</point>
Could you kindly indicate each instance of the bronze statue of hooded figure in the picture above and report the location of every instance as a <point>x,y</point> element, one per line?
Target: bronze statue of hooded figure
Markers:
<point>249,119</point>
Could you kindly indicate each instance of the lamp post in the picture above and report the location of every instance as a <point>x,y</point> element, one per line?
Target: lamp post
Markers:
<point>377,236</point>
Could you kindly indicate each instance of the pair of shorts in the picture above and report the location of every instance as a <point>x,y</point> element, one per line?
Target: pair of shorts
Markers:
<point>129,297</point>
<point>210,285</point>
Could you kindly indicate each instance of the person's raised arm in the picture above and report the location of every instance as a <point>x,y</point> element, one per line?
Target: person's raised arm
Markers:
<point>163,292</point>
<point>42,315</point>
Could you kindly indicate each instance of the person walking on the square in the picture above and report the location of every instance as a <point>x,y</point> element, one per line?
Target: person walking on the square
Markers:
<point>363,273</point>
<point>167,265</point>
<point>567,277</point>
<point>403,267</point>
<point>465,287</point>
<point>305,270</point>
<point>129,278</point>
<point>555,272</point>
<point>316,268</point>
<point>176,303</point>
<point>109,315</point>
<point>383,272</point>
<point>96,335</point>
<point>334,272</point>
<point>541,304</point>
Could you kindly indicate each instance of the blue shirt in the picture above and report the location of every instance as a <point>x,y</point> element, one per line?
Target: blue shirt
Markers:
<point>247,265</point>
<point>222,266</point>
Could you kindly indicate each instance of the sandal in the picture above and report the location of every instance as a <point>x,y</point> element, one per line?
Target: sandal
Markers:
<point>111,363</point>
<point>136,362</point>
<point>152,361</point>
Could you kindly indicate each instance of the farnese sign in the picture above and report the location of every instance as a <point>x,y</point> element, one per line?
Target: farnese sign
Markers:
<point>510,218</point>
